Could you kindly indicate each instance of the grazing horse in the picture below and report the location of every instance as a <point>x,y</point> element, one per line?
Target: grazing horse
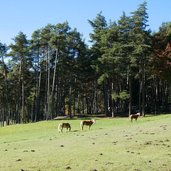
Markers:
<point>64,125</point>
<point>134,116</point>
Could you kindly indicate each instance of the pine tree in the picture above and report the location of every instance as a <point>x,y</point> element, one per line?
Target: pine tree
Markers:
<point>142,45</point>
<point>21,55</point>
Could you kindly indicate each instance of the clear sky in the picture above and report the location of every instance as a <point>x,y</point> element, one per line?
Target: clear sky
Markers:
<point>30,15</point>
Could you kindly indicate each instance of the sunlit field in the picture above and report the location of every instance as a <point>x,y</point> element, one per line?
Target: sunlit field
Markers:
<point>110,145</point>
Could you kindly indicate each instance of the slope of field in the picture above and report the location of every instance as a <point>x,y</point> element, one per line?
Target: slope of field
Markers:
<point>111,145</point>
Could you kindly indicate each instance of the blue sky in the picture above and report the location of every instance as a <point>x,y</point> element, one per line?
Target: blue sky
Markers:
<point>30,15</point>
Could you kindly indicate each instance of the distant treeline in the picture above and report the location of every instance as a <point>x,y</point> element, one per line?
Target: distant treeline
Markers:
<point>126,69</point>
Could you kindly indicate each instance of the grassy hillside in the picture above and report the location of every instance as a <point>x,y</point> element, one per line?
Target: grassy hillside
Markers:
<point>111,145</point>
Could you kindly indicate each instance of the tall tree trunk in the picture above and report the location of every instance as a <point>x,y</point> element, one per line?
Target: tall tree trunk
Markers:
<point>130,92</point>
<point>140,96</point>
<point>38,83</point>
<point>69,103</point>
<point>166,95</point>
<point>106,99</point>
<point>83,105</point>
<point>53,85</point>
<point>22,90</point>
<point>143,89</point>
<point>95,99</point>
<point>6,106</point>
<point>156,96</point>
<point>113,105</point>
<point>48,88</point>
<point>78,103</point>
<point>23,105</point>
<point>3,118</point>
<point>37,107</point>
<point>74,106</point>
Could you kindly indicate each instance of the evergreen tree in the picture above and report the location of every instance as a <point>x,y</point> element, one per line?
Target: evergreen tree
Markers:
<point>99,26</point>
<point>21,55</point>
<point>4,102</point>
<point>142,45</point>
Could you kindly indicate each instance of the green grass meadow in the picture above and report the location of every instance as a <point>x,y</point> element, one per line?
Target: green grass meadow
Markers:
<point>110,145</point>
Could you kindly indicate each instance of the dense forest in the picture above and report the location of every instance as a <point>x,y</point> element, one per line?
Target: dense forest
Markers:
<point>125,69</point>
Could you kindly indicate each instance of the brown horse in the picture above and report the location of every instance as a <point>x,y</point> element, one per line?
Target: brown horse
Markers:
<point>87,123</point>
<point>134,116</point>
<point>64,125</point>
